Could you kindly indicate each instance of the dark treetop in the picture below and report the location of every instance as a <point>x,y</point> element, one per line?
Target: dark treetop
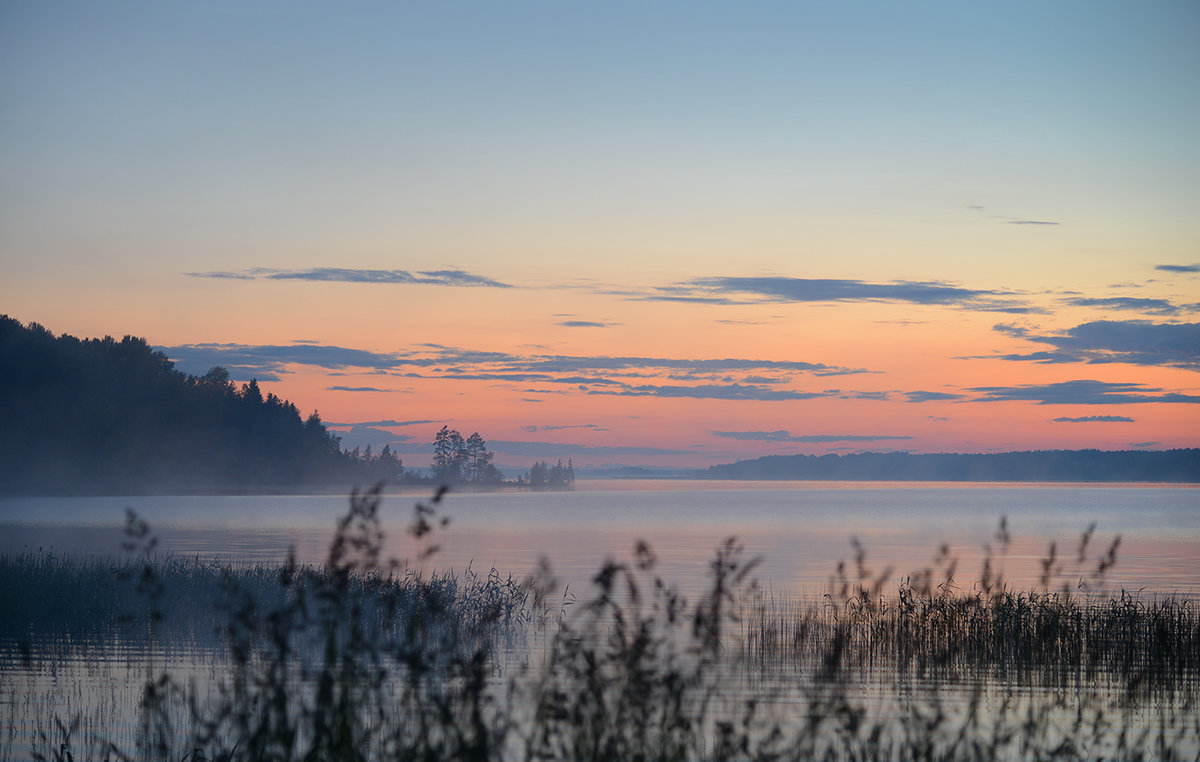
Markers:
<point>1045,465</point>
<point>101,416</point>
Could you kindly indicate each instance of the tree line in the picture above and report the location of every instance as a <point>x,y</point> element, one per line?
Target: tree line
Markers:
<point>107,416</point>
<point>102,416</point>
<point>1045,465</point>
<point>458,461</point>
<point>543,476</point>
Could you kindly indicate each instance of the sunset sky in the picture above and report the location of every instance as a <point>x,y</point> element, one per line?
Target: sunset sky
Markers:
<point>650,233</point>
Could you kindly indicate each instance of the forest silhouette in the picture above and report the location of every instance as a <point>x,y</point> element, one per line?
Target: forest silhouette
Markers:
<point>102,416</point>
<point>1180,465</point>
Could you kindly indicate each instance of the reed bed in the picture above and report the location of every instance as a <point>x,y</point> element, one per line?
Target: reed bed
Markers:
<point>927,627</point>
<point>362,659</point>
<point>89,600</point>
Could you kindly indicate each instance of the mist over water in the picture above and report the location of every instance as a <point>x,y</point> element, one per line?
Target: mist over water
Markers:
<point>96,668</point>
<point>799,529</point>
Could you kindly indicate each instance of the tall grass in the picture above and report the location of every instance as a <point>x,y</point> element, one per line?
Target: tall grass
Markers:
<point>362,658</point>
<point>1062,671</point>
<point>1068,628</point>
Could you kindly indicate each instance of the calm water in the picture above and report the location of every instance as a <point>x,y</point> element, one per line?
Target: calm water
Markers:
<point>799,529</point>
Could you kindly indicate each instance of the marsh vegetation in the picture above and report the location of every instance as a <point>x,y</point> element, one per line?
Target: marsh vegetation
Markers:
<point>366,658</point>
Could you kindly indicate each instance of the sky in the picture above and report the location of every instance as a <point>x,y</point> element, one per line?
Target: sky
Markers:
<point>663,234</point>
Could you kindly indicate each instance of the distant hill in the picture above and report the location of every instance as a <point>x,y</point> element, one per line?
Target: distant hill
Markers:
<point>101,416</point>
<point>1031,466</point>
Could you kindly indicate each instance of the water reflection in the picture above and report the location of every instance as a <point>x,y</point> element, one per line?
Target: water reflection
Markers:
<point>801,530</point>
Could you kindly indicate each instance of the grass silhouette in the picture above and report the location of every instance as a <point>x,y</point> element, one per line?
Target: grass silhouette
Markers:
<point>362,658</point>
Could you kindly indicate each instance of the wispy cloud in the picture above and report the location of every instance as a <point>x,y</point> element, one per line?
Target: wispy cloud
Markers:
<point>559,449</point>
<point>223,275</point>
<point>1179,268</point>
<point>349,275</point>
<point>263,359</point>
<point>713,392</point>
<point>358,389</point>
<point>765,380</point>
<point>669,297</point>
<point>859,395</point>
<point>582,324</point>
<point>1082,392</point>
<point>1006,219</point>
<point>708,378</point>
<point>523,378</point>
<point>1009,220</point>
<point>828,290</point>
<point>785,436</point>
<point>1095,419</point>
<point>450,361</point>
<point>533,428</point>
<point>1138,342</point>
<point>1011,329</point>
<point>784,289</point>
<point>1151,306</point>
<point>924,396</point>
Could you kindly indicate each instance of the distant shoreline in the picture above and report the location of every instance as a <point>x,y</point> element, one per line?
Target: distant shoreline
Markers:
<point>598,481</point>
<point>1084,466</point>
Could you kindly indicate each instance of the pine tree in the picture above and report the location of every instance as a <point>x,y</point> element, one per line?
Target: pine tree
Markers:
<point>479,468</point>
<point>449,456</point>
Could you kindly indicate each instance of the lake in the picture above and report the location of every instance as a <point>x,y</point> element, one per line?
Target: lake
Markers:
<point>800,530</point>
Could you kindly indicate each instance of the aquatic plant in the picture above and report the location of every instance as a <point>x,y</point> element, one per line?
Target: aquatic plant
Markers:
<point>363,658</point>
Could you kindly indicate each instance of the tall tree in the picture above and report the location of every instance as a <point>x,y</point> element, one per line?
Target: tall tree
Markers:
<point>449,456</point>
<point>478,460</point>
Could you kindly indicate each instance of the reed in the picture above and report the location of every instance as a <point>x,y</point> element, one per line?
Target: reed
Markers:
<point>362,658</point>
<point>928,627</point>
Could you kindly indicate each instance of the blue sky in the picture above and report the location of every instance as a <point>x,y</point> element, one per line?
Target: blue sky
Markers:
<point>947,201</point>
